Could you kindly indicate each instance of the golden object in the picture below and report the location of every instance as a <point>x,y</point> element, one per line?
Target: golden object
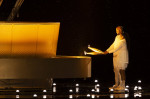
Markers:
<point>28,39</point>
<point>95,51</point>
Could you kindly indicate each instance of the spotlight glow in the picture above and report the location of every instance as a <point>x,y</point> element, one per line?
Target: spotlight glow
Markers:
<point>127,86</point>
<point>139,81</point>
<point>93,96</point>
<point>17,91</point>
<point>111,96</point>
<point>34,95</point>
<point>97,90</point>
<point>70,90</point>
<point>88,95</point>
<point>126,89</point>
<point>77,84</point>
<point>111,89</point>
<point>54,89</point>
<point>126,95</point>
<point>140,88</point>
<point>17,96</point>
<point>54,84</point>
<point>93,90</point>
<point>96,81</point>
<point>44,90</point>
<point>98,85</point>
<point>44,96</point>
<point>77,89</point>
<point>70,96</point>
<point>135,88</point>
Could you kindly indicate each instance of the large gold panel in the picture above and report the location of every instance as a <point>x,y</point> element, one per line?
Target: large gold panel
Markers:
<point>5,39</point>
<point>29,39</point>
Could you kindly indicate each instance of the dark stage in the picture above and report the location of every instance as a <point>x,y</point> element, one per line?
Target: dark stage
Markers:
<point>84,22</point>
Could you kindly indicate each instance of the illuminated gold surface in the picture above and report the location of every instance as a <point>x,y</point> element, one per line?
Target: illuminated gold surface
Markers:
<point>28,39</point>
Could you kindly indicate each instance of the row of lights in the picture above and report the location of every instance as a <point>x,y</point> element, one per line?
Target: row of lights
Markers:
<point>94,91</point>
<point>34,95</point>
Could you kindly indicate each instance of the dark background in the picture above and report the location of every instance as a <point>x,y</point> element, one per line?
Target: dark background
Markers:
<point>93,22</point>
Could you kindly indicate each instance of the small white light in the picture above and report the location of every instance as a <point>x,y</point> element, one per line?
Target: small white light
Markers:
<point>139,81</point>
<point>98,85</point>
<point>127,86</point>
<point>34,95</point>
<point>54,89</point>
<point>70,90</point>
<point>111,96</point>
<point>44,96</point>
<point>97,90</point>
<point>17,96</point>
<point>140,88</point>
<point>77,85</point>
<point>93,96</point>
<point>126,89</point>
<point>54,84</point>
<point>44,90</point>
<point>126,95</point>
<point>88,95</point>
<point>96,81</point>
<point>17,91</point>
<point>70,96</point>
<point>93,90</point>
<point>135,88</point>
<point>77,89</point>
<point>111,89</point>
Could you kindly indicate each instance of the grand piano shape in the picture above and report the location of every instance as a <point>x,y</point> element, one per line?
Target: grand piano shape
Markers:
<point>28,53</point>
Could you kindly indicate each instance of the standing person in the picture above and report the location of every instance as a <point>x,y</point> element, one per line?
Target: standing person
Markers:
<point>119,49</point>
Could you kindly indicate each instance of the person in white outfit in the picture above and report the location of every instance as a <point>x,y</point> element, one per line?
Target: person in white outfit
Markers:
<point>120,58</point>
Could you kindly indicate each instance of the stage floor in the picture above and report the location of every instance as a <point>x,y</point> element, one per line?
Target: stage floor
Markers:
<point>77,89</point>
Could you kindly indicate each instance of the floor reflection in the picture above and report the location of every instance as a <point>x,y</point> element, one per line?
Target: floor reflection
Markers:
<point>76,89</point>
<point>119,95</point>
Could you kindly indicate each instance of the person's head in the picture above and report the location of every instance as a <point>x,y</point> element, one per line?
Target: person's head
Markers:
<point>119,30</point>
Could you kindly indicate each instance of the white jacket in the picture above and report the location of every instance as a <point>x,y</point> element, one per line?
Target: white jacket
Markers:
<point>119,50</point>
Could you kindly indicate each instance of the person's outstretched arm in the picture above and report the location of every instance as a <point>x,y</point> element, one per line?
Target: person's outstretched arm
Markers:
<point>110,48</point>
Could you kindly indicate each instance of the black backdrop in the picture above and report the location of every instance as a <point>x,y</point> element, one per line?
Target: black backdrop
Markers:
<point>93,22</point>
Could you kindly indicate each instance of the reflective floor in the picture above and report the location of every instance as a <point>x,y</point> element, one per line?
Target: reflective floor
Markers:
<point>78,89</point>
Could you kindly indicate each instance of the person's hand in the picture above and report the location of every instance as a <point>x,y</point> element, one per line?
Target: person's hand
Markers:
<point>106,52</point>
